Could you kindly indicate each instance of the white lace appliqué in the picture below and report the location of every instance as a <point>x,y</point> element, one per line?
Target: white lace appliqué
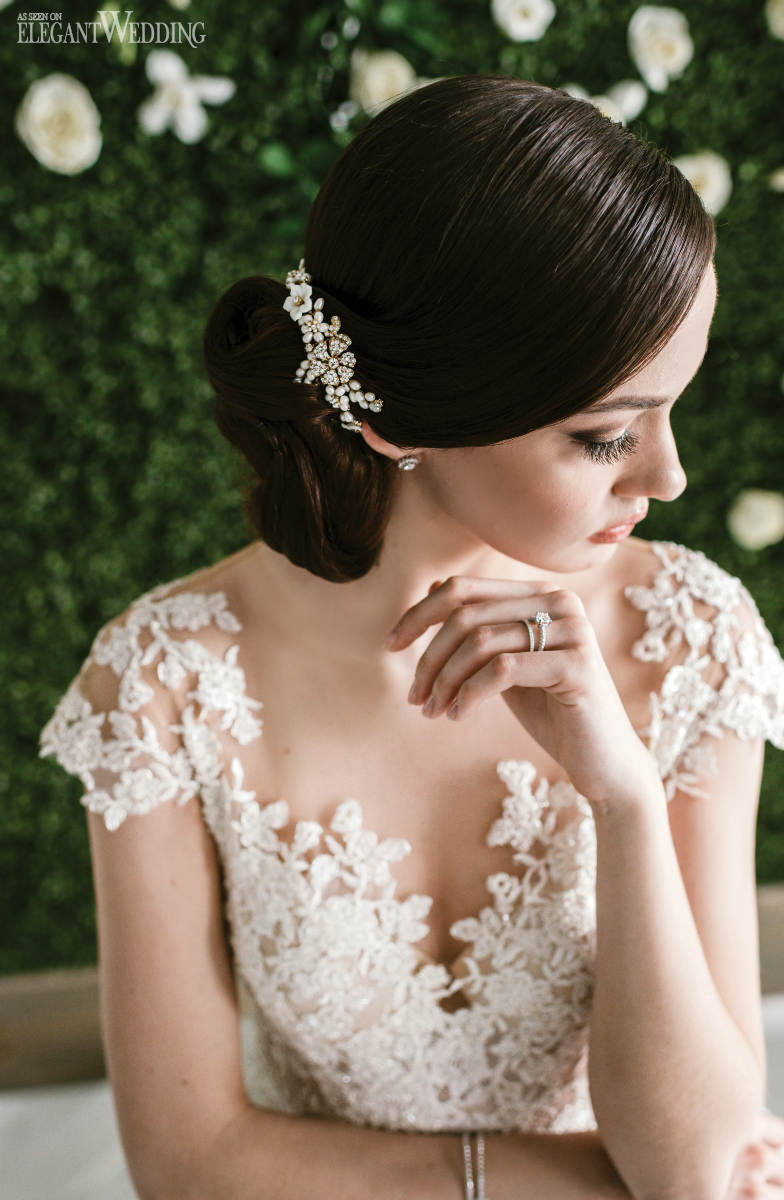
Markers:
<point>330,957</point>
<point>345,1016</point>
<point>78,738</point>
<point>688,711</point>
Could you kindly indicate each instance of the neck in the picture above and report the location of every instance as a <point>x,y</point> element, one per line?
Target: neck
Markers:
<point>421,544</point>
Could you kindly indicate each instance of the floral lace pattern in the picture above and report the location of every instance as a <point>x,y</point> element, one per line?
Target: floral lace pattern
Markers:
<point>688,711</point>
<point>340,980</point>
<point>344,1015</point>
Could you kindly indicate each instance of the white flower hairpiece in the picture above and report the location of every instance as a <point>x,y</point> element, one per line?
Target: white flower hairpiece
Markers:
<point>327,357</point>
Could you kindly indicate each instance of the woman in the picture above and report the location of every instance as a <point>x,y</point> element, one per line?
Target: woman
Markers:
<point>571,969</point>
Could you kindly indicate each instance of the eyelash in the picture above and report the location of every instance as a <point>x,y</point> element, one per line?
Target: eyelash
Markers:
<point>608,452</point>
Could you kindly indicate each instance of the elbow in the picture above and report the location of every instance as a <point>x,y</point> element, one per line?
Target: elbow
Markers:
<point>163,1180</point>
<point>700,1189</point>
<point>704,1178</point>
<point>201,1171</point>
<point>160,1187</point>
<point>711,1181</point>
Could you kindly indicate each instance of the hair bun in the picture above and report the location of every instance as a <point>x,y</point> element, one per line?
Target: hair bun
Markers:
<point>314,493</point>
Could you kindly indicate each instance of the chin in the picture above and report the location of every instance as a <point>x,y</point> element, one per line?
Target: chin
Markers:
<point>588,555</point>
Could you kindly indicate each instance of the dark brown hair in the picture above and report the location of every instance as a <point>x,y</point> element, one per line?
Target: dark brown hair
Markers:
<point>501,255</point>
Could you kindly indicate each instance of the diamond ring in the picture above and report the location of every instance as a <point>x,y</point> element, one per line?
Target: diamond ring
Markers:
<point>530,628</point>
<point>543,619</point>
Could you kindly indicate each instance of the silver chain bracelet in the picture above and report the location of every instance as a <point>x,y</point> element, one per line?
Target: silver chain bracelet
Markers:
<point>474,1191</point>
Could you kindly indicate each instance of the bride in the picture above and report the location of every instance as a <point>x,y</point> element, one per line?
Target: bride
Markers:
<point>465,897</point>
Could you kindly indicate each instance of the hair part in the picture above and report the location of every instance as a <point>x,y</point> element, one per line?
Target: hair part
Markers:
<point>501,255</point>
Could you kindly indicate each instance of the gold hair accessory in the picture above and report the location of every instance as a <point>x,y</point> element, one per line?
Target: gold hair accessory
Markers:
<point>328,358</point>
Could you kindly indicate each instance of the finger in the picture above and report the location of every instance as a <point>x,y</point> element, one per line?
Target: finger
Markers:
<point>456,591</point>
<point>772,1127</point>
<point>471,635</point>
<point>510,669</point>
<point>440,675</point>
<point>773,1166</point>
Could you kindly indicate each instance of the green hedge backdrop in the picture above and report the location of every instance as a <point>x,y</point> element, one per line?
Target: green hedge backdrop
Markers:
<point>114,478</point>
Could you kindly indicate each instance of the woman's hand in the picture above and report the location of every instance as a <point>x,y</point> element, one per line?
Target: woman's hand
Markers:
<point>759,1169</point>
<point>564,695</point>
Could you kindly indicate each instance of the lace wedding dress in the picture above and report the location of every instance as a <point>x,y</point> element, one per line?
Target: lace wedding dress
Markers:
<point>342,1015</point>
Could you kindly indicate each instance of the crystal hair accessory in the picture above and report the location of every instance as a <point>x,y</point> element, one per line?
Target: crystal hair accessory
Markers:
<point>327,357</point>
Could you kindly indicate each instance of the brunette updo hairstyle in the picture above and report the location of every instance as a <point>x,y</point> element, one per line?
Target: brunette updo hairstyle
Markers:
<point>501,255</point>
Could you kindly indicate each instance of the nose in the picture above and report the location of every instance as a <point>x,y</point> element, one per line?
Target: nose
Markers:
<point>655,470</point>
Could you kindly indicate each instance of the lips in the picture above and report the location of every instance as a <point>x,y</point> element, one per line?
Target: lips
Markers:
<point>634,519</point>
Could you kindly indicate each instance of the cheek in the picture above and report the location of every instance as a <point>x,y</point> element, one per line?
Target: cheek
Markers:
<point>497,493</point>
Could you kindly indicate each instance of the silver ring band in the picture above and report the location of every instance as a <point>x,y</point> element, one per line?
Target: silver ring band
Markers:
<point>543,619</point>
<point>530,628</point>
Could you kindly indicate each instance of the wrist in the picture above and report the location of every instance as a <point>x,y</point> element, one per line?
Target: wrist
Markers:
<point>441,1175</point>
<point>642,797</point>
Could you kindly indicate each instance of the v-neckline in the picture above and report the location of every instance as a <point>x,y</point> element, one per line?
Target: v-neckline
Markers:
<point>347,807</point>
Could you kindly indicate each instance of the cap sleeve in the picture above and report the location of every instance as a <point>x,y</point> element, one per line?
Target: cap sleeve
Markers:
<point>726,671</point>
<point>135,723</point>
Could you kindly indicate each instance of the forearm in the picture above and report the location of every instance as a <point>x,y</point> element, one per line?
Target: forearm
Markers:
<point>674,1084</point>
<point>265,1155</point>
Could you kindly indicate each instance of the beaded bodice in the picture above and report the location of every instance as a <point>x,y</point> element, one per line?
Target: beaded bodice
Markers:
<point>341,1013</point>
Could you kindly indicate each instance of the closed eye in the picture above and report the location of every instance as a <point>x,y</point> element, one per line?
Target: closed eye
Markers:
<point>607,451</point>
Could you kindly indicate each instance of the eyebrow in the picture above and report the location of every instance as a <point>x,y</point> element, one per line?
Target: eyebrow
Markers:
<point>627,402</point>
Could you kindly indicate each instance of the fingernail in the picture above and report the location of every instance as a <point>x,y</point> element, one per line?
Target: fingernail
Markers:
<point>412,693</point>
<point>429,708</point>
<point>391,638</point>
<point>452,710</point>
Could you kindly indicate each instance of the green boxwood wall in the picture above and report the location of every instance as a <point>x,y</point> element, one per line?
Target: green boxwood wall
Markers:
<point>114,478</point>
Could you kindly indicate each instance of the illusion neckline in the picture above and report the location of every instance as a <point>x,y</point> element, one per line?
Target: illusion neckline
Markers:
<point>538,785</point>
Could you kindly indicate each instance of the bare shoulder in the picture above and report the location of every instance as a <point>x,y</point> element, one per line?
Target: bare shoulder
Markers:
<point>225,573</point>
<point>212,601</point>
<point>640,562</point>
<point>620,626</point>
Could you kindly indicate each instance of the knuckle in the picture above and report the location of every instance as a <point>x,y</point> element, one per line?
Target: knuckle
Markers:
<point>569,603</point>
<point>453,585</point>
<point>480,637</point>
<point>503,666</point>
<point>575,626</point>
<point>580,658</point>
<point>460,620</point>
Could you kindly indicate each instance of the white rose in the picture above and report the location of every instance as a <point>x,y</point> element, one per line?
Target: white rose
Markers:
<point>756,518</point>
<point>59,123</point>
<point>660,44</point>
<point>776,180</point>
<point>378,77</point>
<point>603,103</point>
<point>523,20</point>
<point>620,103</point>
<point>629,97</point>
<point>709,175</point>
<point>774,15</point>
